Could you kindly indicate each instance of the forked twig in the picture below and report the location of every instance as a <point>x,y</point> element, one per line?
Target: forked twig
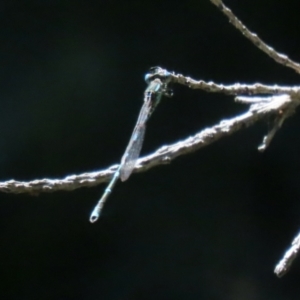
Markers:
<point>281,116</point>
<point>281,104</point>
<point>163,155</point>
<point>284,265</point>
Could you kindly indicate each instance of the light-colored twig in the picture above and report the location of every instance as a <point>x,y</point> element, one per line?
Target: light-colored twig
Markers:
<point>252,100</point>
<point>277,123</point>
<point>234,89</point>
<point>163,155</point>
<point>285,264</point>
<point>281,116</point>
<point>278,57</point>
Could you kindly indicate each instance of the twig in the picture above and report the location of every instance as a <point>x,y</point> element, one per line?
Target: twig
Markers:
<point>285,264</point>
<point>278,57</point>
<point>281,116</point>
<point>234,89</point>
<point>251,100</point>
<point>163,155</point>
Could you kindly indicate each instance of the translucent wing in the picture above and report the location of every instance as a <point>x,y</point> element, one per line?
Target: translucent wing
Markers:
<point>134,147</point>
<point>132,152</point>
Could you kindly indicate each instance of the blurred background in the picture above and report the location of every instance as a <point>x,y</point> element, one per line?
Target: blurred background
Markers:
<point>212,224</point>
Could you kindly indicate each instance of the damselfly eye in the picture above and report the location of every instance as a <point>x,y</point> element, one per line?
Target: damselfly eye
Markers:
<point>148,78</point>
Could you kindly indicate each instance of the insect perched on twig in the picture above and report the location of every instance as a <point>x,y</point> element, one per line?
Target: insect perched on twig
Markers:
<point>157,80</point>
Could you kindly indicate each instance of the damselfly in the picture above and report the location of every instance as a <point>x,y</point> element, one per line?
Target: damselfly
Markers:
<point>157,80</point>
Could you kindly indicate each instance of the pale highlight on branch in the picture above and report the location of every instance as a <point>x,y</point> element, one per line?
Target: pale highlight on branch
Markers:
<point>253,37</point>
<point>163,155</point>
<point>286,262</point>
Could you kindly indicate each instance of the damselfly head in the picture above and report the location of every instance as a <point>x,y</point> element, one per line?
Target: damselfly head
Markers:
<point>148,77</point>
<point>157,72</point>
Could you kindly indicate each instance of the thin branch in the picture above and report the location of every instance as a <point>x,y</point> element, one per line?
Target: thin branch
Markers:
<point>278,121</point>
<point>285,264</point>
<point>234,89</point>
<point>278,57</point>
<point>163,155</point>
<point>252,100</point>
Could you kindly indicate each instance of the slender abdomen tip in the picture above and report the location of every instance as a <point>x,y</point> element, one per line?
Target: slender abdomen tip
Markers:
<point>93,219</point>
<point>94,216</point>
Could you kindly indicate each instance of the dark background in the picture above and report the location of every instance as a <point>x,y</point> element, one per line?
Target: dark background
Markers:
<point>213,224</point>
